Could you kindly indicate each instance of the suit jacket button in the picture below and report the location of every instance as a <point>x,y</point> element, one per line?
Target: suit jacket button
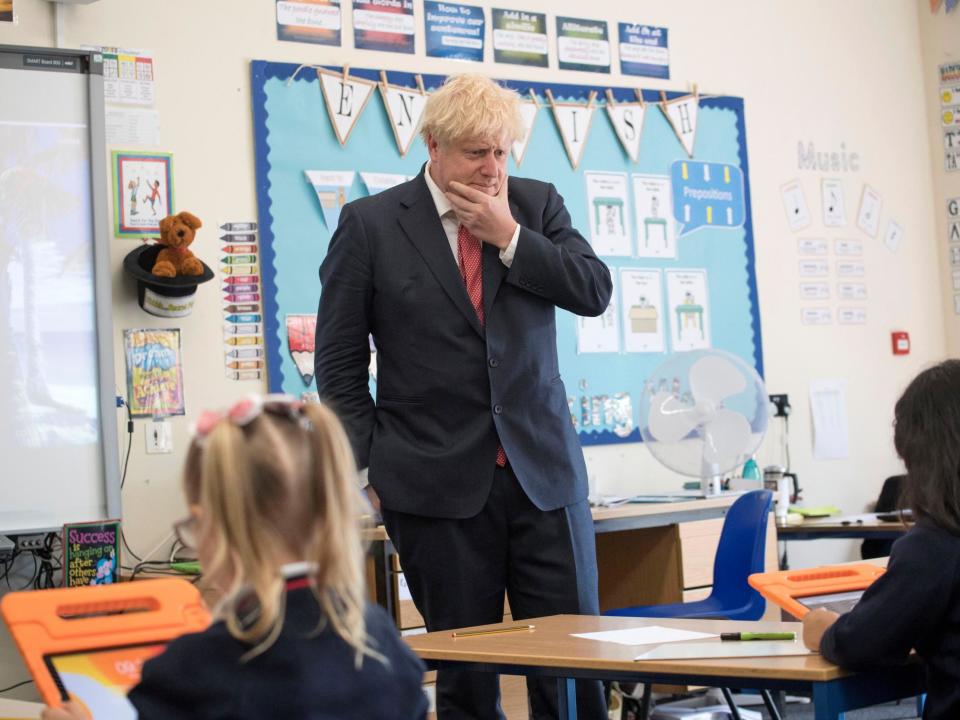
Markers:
<point>497,409</point>
<point>494,362</point>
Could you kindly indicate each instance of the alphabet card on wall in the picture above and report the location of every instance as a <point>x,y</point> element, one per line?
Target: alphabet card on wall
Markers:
<point>405,107</point>
<point>573,121</point>
<point>345,97</point>
<point>627,121</point>
<point>682,114</point>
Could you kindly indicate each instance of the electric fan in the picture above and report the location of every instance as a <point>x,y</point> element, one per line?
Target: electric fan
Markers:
<point>703,413</point>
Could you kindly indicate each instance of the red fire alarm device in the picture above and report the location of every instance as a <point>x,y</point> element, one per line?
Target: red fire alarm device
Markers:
<point>901,343</point>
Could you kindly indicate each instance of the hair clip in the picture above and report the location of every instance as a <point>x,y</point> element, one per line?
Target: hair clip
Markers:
<point>245,410</point>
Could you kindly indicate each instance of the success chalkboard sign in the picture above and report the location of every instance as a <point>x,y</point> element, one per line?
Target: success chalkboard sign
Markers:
<point>91,553</point>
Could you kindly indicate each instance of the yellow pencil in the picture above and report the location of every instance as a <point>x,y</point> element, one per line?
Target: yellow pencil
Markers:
<point>494,631</point>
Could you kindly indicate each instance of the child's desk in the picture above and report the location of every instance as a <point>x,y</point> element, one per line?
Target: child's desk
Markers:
<point>844,527</point>
<point>549,650</point>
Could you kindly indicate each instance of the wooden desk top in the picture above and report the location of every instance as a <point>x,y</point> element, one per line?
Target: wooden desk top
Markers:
<point>549,645</point>
<point>633,515</point>
<point>853,526</point>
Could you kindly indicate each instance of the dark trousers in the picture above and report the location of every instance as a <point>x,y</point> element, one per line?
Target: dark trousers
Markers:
<point>458,570</point>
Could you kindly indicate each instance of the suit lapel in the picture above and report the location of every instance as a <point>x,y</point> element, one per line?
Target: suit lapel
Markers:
<point>494,271</point>
<point>419,220</point>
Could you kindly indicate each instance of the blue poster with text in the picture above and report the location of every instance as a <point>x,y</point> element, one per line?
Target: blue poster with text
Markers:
<point>644,51</point>
<point>707,194</point>
<point>454,31</point>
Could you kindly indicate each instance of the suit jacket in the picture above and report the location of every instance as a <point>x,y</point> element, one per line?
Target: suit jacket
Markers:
<point>448,389</point>
<point>304,674</point>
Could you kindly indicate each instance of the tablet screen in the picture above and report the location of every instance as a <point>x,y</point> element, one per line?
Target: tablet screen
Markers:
<point>841,602</point>
<point>100,679</point>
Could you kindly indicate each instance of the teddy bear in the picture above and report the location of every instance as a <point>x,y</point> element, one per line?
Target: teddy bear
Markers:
<point>176,233</point>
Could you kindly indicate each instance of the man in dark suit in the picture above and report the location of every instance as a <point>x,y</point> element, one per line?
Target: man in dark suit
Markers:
<point>457,274</point>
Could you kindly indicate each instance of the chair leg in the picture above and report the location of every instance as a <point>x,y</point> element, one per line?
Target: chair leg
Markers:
<point>734,710</point>
<point>645,701</point>
<point>771,705</point>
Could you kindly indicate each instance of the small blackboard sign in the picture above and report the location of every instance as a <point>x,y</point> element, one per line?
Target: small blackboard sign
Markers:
<point>91,553</point>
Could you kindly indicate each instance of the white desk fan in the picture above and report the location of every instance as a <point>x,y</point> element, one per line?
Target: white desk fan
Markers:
<point>703,413</point>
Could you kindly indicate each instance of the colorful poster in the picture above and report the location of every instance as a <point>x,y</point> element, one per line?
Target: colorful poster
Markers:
<point>454,31</point>
<point>142,192</point>
<point>652,200</point>
<point>310,21</point>
<point>6,10</point>
<point>707,195</point>
<point>154,372</point>
<point>519,37</point>
<point>608,211</point>
<point>128,76</point>
<point>91,553</point>
<point>643,314</point>
<point>689,309</point>
<point>644,51</point>
<point>583,45</point>
<point>383,25</point>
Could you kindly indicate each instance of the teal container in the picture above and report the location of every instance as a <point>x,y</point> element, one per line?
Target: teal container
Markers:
<point>751,471</point>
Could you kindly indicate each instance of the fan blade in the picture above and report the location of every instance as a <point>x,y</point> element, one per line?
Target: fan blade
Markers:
<point>671,420</point>
<point>725,436</point>
<point>714,378</point>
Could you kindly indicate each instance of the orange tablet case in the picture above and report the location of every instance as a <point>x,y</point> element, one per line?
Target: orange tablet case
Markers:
<point>785,586</point>
<point>44,622</point>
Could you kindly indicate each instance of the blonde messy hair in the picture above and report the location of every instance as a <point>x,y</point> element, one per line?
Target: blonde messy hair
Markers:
<point>285,483</point>
<point>471,107</point>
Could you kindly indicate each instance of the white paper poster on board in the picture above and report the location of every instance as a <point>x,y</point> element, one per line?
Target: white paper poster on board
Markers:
<point>608,211</point>
<point>689,308</point>
<point>652,202</point>
<point>828,405</point>
<point>868,219</point>
<point>600,334</point>
<point>834,211</point>
<point>795,205</point>
<point>641,300</point>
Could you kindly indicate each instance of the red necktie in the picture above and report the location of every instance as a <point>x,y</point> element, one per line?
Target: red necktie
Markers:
<point>470,251</point>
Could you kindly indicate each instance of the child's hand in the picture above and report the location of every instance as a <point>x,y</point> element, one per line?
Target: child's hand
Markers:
<point>815,624</point>
<point>68,711</point>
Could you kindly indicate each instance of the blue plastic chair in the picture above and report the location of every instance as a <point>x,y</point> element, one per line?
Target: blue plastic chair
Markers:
<point>739,553</point>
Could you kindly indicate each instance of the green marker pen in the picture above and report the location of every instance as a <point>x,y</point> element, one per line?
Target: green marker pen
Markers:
<point>759,636</point>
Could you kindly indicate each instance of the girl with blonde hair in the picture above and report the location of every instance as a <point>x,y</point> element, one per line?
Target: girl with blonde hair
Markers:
<point>275,521</point>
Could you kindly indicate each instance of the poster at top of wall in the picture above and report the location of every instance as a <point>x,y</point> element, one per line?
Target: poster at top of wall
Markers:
<point>644,51</point>
<point>383,25</point>
<point>583,45</point>
<point>519,37</point>
<point>310,21</point>
<point>6,10</point>
<point>454,31</point>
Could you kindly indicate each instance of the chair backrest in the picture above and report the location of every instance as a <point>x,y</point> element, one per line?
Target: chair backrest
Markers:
<point>741,552</point>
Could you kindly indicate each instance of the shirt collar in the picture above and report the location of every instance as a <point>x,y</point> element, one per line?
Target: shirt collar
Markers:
<point>439,199</point>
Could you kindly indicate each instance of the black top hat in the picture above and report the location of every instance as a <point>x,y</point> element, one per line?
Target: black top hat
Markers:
<point>162,296</point>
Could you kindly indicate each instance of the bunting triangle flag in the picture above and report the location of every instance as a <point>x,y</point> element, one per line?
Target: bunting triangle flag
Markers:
<point>682,115</point>
<point>378,182</point>
<point>951,4</point>
<point>935,5</point>
<point>573,121</point>
<point>528,112</point>
<point>331,187</point>
<point>404,108</point>
<point>345,97</point>
<point>627,121</point>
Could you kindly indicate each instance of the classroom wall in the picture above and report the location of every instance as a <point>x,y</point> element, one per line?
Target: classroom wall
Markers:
<point>817,72</point>
<point>940,39</point>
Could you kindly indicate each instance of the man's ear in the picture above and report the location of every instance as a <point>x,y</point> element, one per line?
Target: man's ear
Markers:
<point>190,220</point>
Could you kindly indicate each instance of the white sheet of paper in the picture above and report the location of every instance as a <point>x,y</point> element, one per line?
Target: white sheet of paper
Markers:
<point>747,648</point>
<point>649,635</point>
<point>828,405</point>
<point>795,205</point>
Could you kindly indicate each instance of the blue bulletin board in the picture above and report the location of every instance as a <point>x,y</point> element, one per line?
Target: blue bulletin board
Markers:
<point>703,293</point>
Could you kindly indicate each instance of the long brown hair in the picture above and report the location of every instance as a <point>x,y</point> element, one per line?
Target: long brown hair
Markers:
<point>283,483</point>
<point>927,438</point>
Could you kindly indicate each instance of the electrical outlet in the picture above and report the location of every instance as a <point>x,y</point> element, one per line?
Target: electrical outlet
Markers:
<point>782,405</point>
<point>30,542</point>
<point>159,437</point>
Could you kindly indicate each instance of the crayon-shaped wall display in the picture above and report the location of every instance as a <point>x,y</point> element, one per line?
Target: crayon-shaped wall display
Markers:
<point>242,310</point>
